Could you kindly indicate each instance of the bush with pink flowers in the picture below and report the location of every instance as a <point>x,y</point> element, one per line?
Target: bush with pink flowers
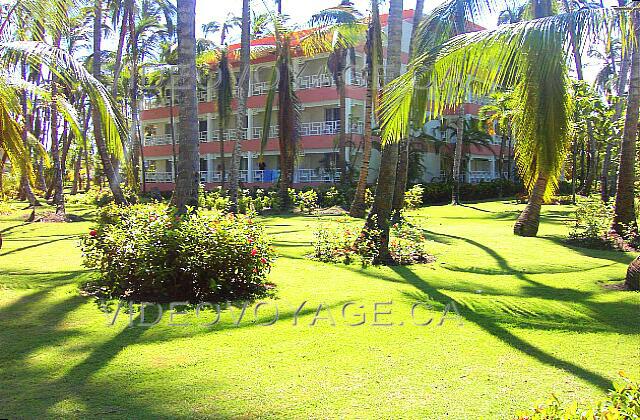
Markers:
<point>147,252</point>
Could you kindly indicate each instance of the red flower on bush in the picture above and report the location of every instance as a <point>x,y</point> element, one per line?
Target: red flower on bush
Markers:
<point>254,252</point>
<point>93,233</point>
<point>263,260</point>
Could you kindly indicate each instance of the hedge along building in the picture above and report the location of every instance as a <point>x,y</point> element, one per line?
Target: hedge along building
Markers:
<point>317,160</point>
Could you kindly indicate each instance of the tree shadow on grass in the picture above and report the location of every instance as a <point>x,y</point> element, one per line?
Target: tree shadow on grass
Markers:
<point>36,245</point>
<point>488,324</point>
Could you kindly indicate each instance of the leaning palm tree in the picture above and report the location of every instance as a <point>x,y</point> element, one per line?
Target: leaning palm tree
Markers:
<point>530,58</point>
<point>187,182</point>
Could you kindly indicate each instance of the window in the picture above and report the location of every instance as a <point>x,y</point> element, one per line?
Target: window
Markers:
<point>332,114</point>
<point>202,126</point>
<point>203,165</point>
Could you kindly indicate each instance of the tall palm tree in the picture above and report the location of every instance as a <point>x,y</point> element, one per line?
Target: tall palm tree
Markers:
<point>334,21</point>
<point>402,173</point>
<point>529,57</point>
<point>187,182</point>
<point>380,214</point>
<point>375,81</point>
<point>624,211</point>
<point>103,150</point>
<point>243,97</point>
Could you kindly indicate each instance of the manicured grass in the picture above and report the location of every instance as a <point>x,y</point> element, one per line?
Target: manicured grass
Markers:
<point>535,319</point>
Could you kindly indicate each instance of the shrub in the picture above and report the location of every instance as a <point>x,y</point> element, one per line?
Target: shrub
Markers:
<point>147,252</point>
<point>101,197</point>
<point>307,201</point>
<point>338,244</point>
<point>440,192</point>
<point>593,219</point>
<point>622,402</point>
<point>413,197</point>
<point>5,208</point>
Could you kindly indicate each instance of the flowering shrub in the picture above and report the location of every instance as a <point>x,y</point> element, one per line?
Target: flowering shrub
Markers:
<point>338,244</point>
<point>622,402</point>
<point>413,197</point>
<point>5,208</point>
<point>147,252</point>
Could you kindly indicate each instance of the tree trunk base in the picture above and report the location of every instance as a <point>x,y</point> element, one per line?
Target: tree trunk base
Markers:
<point>632,281</point>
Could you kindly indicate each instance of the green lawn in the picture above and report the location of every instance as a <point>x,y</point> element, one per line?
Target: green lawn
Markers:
<point>535,319</point>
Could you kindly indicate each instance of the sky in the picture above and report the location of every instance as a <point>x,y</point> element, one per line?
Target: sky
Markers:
<point>301,10</point>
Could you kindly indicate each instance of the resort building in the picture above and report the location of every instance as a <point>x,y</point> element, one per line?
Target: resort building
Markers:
<point>320,126</point>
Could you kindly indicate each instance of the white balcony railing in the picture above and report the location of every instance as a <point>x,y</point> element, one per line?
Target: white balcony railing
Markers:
<point>159,140</point>
<point>313,81</point>
<point>158,177</point>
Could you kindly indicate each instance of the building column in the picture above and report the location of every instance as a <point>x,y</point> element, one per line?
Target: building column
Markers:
<point>210,129</point>
<point>210,167</point>
<point>493,167</point>
<point>249,124</point>
<point>249,167</point>
<point>349,114</point>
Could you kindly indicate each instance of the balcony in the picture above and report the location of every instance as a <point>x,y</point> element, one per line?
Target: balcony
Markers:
<point>158,177</point>
<point>258,176</point>
<point>159,140</point>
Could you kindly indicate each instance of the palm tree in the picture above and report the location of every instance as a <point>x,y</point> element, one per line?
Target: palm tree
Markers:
<point>243,96</point>
<point>375,80</point>
<point>332,23</point>
<point>497,115</point>
<point>187,182</point>
<point>624,211</point>
<point>380,214</point>
<point>112,177</point>
<point>529,57</point>
<point>402,172</point>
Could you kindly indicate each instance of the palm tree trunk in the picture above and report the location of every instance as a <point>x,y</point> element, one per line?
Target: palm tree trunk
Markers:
<point>358,207</point>
<point>25,186</point>
<point>529,220</point>
<point>632,281</point>
<point>3,162</point>
<point>112,177</point>
<point>402,173</point>
<point>186,193</point>
<point>624,211</point>
<point>342,140</point>
<point>375,79</point>
<point>117,67</point>
<point>243,97</point>
<point>58,182</point>
<point>136,141</point>
<point>457,157</point>
<point>77,165</point>
<point>383,201</point>
<point>221,130</point>
<point>623,76</point>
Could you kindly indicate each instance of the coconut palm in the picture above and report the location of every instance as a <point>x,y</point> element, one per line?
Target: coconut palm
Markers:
<point>380,214</point>
<point>331,25</point>
<point>498,116</point>
<point>402,173</point>
<point>529,57</point>
<point>103,150</point>
<point>243,97</point>
<point>375,81</point>
<point>624,218</point>
<point>188,179</point>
